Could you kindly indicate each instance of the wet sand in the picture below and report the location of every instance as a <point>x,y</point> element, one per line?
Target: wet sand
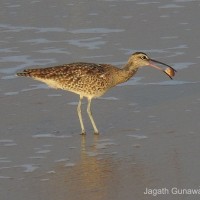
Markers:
<point>149,127</point>
<point>145,142</point>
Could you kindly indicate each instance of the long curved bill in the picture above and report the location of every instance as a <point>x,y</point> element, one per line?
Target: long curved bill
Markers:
<point>169,71</point>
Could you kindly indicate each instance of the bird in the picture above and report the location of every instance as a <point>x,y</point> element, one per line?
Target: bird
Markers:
<point>92,80</point>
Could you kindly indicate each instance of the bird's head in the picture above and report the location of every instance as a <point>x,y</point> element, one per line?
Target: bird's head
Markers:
<point>140,59</point>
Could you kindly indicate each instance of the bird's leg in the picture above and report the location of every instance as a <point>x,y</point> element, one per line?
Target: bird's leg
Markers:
<point>91,118</point>
<point>80,116</point>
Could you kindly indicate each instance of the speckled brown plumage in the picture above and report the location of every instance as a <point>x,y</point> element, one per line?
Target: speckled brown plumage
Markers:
<point>86,79</point>
<point>89,80</point>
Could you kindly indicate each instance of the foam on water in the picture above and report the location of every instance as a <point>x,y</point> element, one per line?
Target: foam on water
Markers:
<point>29,167</point>
<point>51,172</point>
<point>137,136</point>
<point>37,41</point>
<point>43,151</point>
<point>96,30</point>
<point>54,95</point>
<point>182,65</point>
<point>49,135</point>
<point>69,164</point>
<point>62,160</point>
<point>109,98</point>
<point>5,160</point>
<point>73,103</point>
<point>169,6</point>
<point>173,82</point>
<point>54,50</point>
<point>11,28</point>
<point>35,87</point>
<point>7,143</point>
<point>36,157</point>
<point>26,167</point>
<point>11,93</point>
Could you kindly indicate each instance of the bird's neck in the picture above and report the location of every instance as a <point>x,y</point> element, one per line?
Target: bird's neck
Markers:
<point>124,75</point>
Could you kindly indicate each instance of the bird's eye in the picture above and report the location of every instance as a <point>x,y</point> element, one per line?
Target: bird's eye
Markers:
<point>143,57</point>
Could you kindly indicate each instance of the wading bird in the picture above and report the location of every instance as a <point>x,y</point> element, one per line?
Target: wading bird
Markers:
<point>92,80</point>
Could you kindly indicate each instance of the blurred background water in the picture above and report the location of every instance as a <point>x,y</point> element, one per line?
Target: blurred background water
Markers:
<point>34,33</point>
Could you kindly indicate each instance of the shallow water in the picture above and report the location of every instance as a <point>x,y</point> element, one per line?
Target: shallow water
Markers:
<point>149,126</point>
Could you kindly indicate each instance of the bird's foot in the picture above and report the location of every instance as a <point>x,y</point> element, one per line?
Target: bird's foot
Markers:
<point>83,133</point>
<point>96,133</point>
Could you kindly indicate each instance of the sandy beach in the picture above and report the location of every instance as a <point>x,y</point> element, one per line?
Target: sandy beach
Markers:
<point>149,127</point>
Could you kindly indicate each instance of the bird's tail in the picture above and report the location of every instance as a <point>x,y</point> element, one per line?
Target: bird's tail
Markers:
<point>28,72</point>
<point>22,74</point>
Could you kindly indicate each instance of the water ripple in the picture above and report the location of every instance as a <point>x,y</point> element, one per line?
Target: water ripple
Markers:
<point>96,30</point>
<point>10,28</point>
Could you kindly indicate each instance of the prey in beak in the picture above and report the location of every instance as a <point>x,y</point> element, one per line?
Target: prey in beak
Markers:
<point>169,71</point>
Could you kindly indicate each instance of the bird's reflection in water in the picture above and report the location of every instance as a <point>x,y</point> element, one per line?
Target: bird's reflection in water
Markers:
<point>90,177</point>
<point>94,172</point>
